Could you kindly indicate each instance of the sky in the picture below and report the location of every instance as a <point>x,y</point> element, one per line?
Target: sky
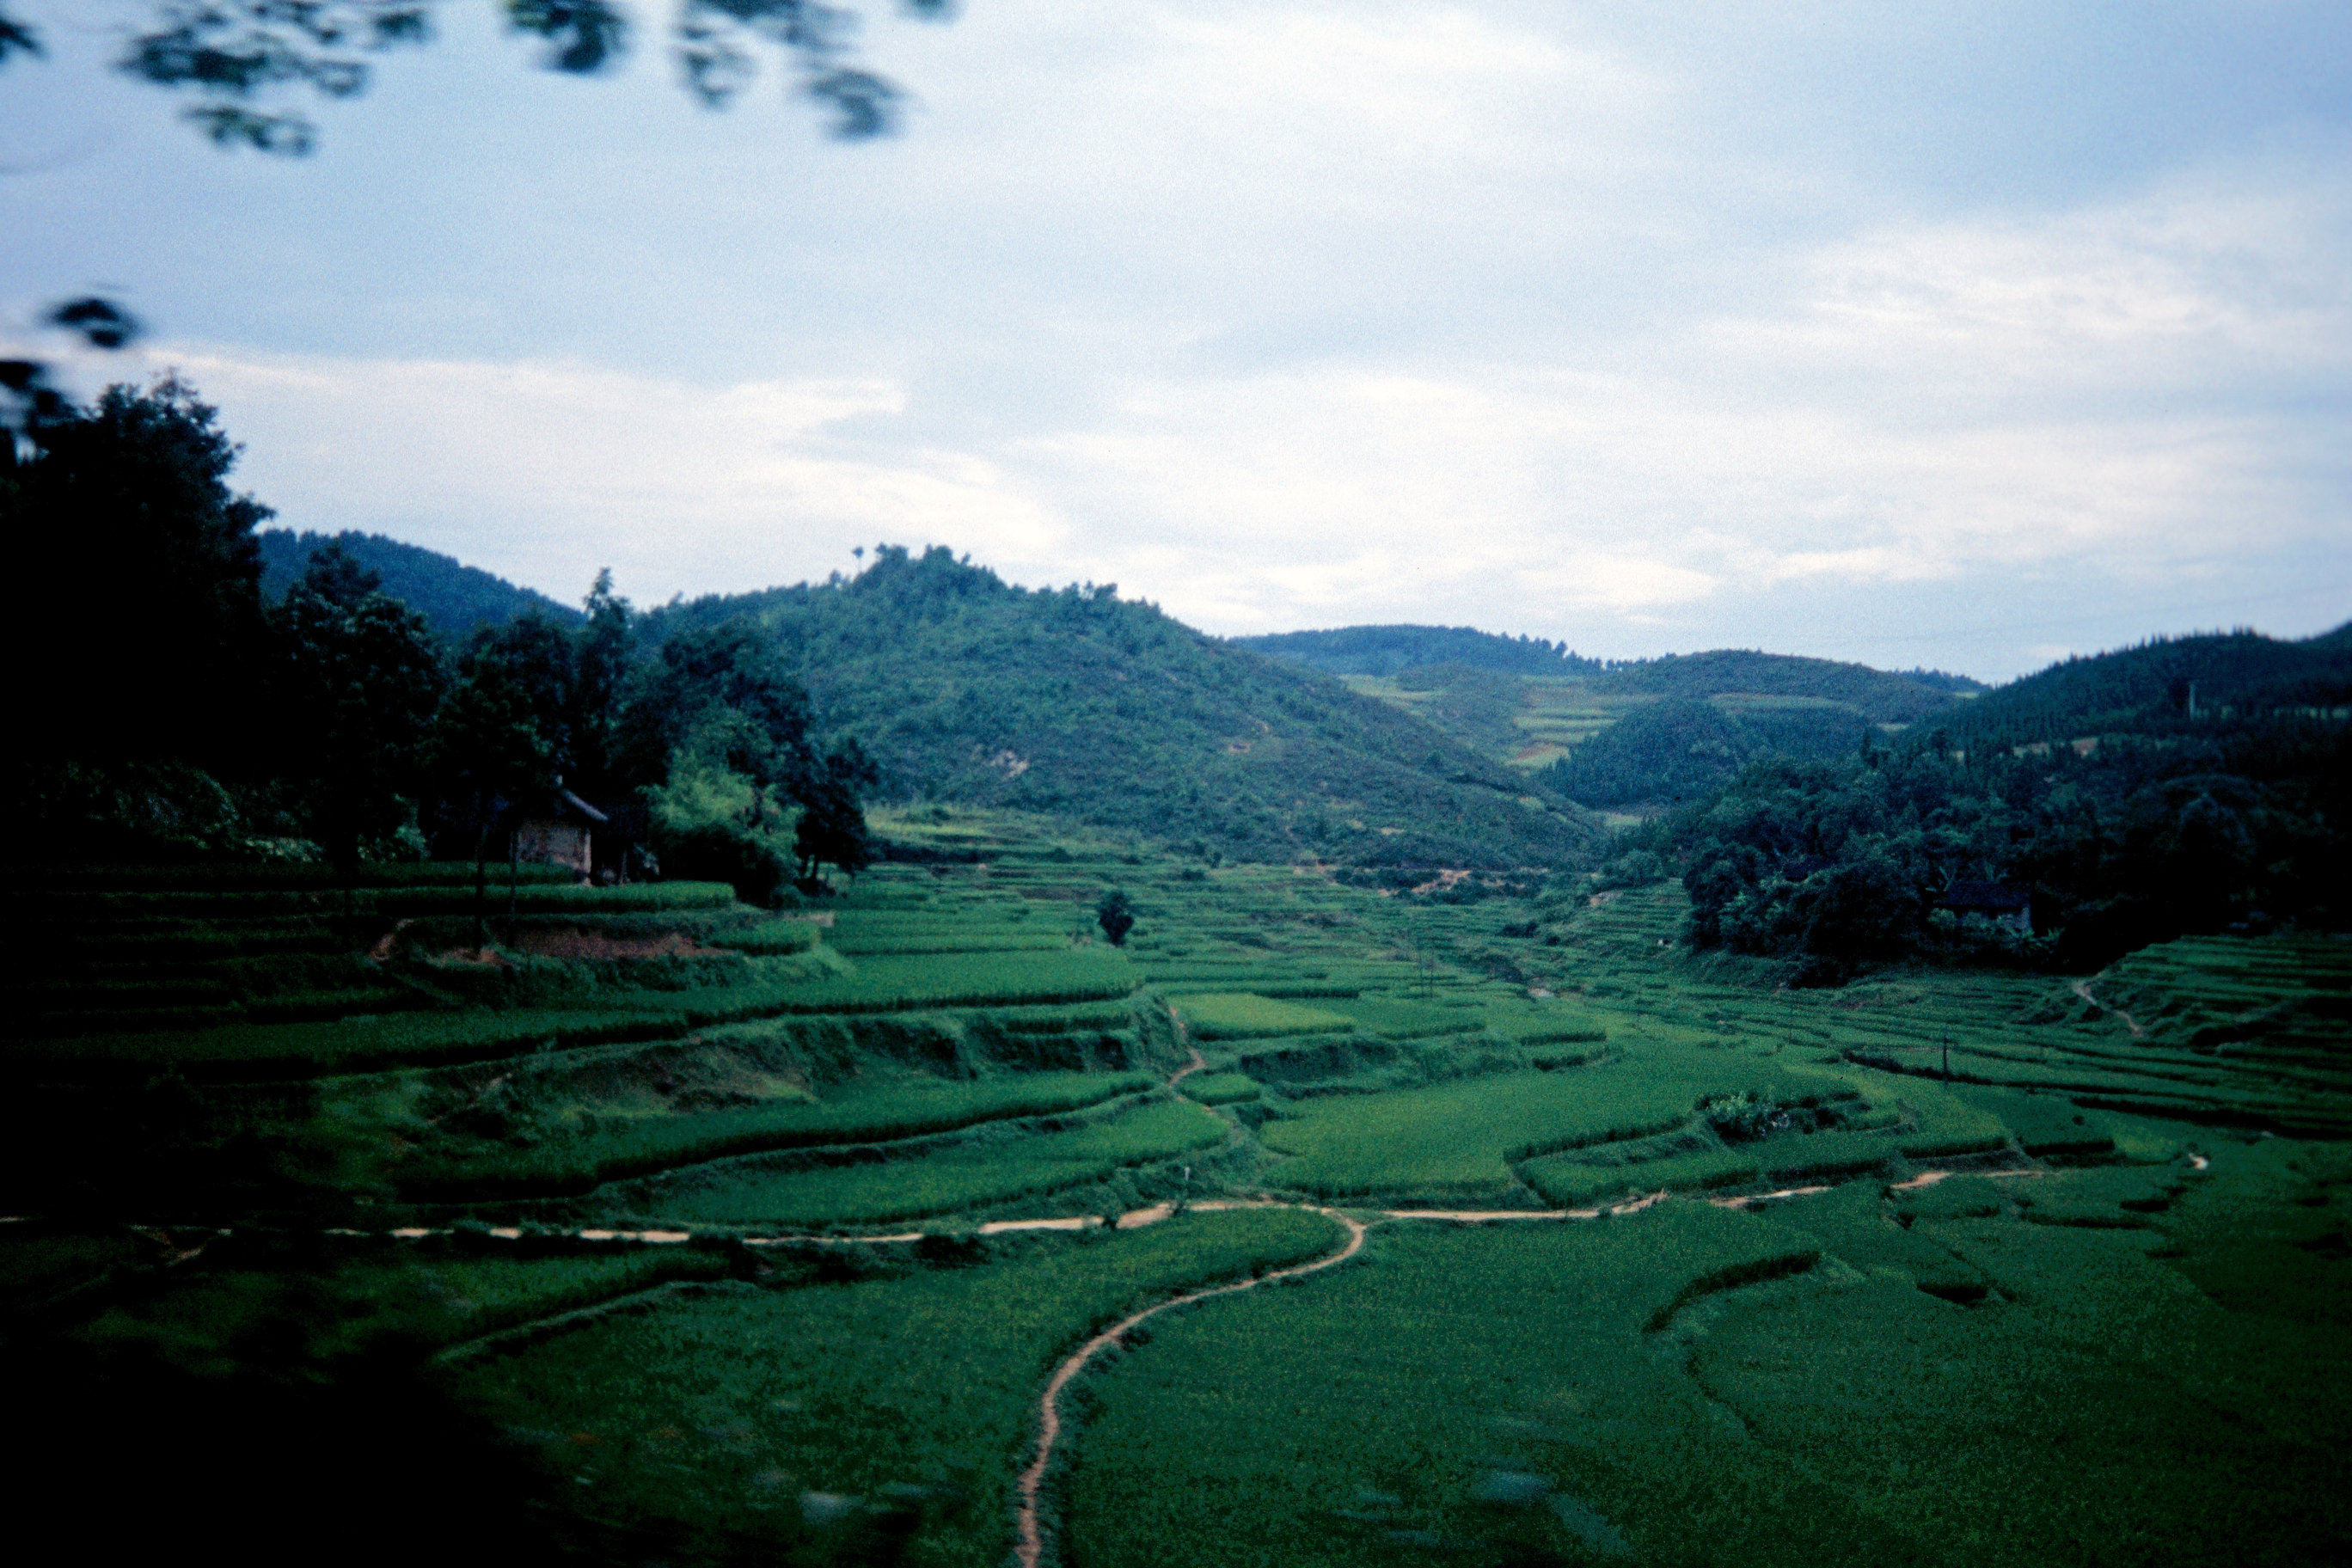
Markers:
<point>1963,335</point>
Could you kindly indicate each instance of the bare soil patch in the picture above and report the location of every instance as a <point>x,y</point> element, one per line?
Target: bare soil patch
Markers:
<point>577,944</point>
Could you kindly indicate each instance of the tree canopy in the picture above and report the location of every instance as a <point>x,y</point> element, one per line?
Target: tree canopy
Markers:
<point>247,63</point>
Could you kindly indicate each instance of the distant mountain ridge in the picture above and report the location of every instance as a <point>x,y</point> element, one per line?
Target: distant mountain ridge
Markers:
<point>1387,651</point>
<point>1877,695</point>
<point>969,688</point>
<point>454,596</point>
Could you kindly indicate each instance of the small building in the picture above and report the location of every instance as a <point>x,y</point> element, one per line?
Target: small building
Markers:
<point>2003,904</point>
<point>560,831</point>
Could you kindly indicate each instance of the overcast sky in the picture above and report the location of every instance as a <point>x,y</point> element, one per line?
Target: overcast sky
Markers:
<point>1966,335</point>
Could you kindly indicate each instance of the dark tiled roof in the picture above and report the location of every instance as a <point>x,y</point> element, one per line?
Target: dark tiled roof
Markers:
<point>1986,896</point>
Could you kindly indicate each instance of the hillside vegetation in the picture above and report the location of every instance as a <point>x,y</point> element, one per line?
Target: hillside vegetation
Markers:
<point>964,688</point>
<point>453,596</point>
<point>1876,695</point>
<point>1681,749</point>
<point>1543,726</point>
<point>2163,687</point>
<point>1386,650</point>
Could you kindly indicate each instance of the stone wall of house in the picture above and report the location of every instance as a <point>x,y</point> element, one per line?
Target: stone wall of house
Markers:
<point>547,843</point>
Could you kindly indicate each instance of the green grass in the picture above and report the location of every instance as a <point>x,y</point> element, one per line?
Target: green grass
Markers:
<point>1823,1155</point>
<point>769,937</point>
<point>1359,1418</point>
<point>962,1176</point>
<point>2043,1123</point>
<point>1459,1137</point>
<point>302,1050</point>
<point>1397,1020</point>
<point>1495,1391</point>
<point>714,1416</point>
<point>2117,1197</point>
<point>1226,1015</point>
<point>1565,1182</point>
<point>1956,1197</point>
<point>531,895</point>
<point>1219,1088</point>
<point>572,1157</point>
<point>432,1296</point>
<point>959,980</point>
<point>1649,1370</point>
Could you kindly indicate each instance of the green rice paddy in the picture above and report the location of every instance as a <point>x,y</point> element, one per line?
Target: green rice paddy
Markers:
<point>2062,1280</point>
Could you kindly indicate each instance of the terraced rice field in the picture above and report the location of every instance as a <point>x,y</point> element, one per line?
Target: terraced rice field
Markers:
<point>2101,1217</point>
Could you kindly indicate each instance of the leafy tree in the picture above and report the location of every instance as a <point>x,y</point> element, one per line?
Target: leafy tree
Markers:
<point>502,739</point>
<point>600,678</point>
<point>1115,913</point>
<point>362,678</point>
<point>713,825</point>
<point>720,701</point>
<point>722,693</point>
<point>1388,650</point>
<point>131,495</point>
<point>832,829</point>
<point>2140,840</point>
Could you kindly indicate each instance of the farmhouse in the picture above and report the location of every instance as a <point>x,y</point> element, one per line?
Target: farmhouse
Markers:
<point>2003,904</point>
<point>560,831</point>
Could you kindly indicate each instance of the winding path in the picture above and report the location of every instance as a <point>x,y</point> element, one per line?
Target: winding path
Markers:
<point>1030,1544</point>
<point>2083,989</point>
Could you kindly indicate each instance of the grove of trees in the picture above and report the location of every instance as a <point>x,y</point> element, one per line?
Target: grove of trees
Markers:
<point>178,714</point>
<point>2139,840</point>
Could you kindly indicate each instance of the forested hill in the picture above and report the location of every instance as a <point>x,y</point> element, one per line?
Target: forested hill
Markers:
<point>454,596</point>
<point>967,689</point>
<point>2163,684</point>
<point>1875,694</point>
<point>1385,650</point>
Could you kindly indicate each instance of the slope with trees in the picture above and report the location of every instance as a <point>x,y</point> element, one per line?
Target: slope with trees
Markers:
<point>2152,825</point>
<point>967,689</point>
<point>1875,694</point>
<point>1682,749</point>
<point>454,597</point>
<point>2164,686</point>
<point>1386,650</point>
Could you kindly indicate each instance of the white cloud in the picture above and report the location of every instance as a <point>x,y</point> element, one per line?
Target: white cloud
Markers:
<point>547,471</point>
<point>1536,316</point>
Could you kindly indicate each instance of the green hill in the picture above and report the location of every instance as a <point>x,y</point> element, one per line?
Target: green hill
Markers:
<point>966,689</point>
<point>1876,695</point>
<point>454,596</point>
<point>2163,686</point>
<point>1799,707</point>
<point>1679,748</point>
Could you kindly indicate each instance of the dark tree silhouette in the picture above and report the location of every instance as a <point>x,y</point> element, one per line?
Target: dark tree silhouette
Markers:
<point>362,680</point>
<point>1116,914</point>
<point>240,58</point>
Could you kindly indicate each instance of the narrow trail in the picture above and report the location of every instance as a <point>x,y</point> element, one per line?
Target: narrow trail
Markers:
<point>1031,1543</point>
<point>2083,989</point>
